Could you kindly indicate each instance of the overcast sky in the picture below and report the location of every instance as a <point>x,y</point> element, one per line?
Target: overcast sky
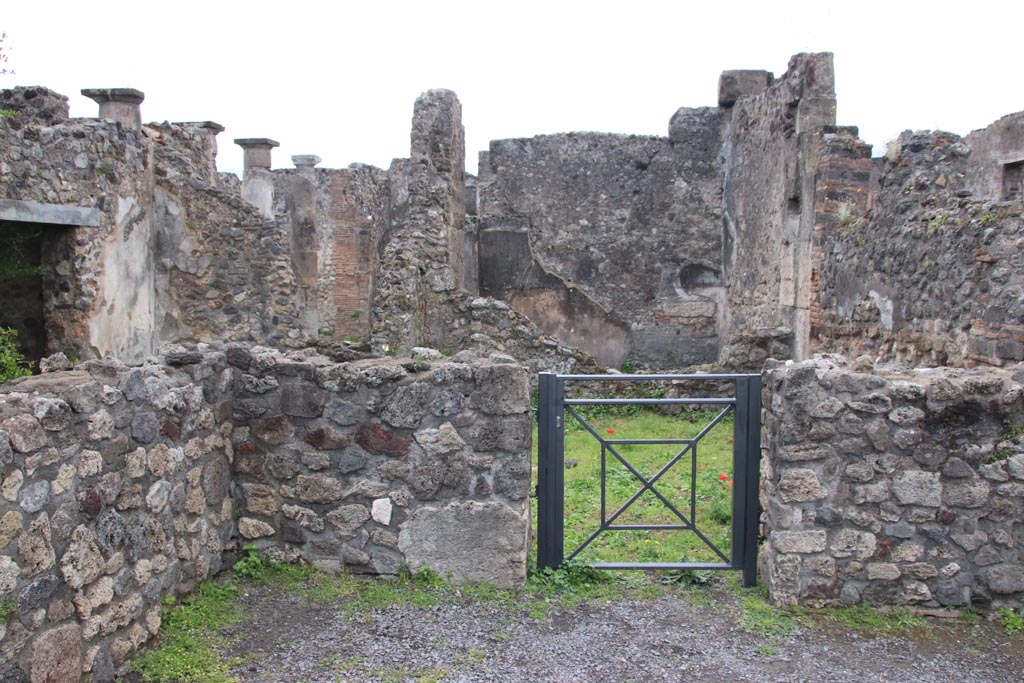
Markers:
<point>339,79</point>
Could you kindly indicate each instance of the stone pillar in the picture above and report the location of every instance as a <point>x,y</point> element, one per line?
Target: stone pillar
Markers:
<point>306,164</point>
<point>211,129</point>
<point>118,104</point>
<point>257,183</point>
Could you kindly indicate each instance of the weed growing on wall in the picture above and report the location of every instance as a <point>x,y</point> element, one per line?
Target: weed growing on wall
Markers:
<point>12,361</point>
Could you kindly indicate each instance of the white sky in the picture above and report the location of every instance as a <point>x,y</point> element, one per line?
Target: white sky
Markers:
<point>339,79</point>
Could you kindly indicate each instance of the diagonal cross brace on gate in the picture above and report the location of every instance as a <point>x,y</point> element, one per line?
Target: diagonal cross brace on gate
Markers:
<point>745,404</point>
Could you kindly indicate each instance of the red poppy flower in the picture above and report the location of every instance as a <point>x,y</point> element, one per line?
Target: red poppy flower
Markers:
<point>611,431</point>
<point>723,476</point>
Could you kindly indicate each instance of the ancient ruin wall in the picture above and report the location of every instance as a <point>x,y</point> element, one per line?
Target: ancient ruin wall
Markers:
<point>123,485</point>
<point>770,165</point>
<point>893,487</point>
<point>176,255</point>
<point>931,274</point>
<point>610,242</point>
<point>114,494</point>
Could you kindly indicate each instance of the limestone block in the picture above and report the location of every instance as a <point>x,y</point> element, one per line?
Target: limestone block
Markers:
<point>914,487</point>
<point>852,543</point>
<point>157,496</point>
<point>801,485</point>
<point>441,441</point>
<point>737,83</point>
<point>260,499</point>
<point>874,403</point>
<point>469,541</point>
<point>920,570</point>
<point>253,528</point>
<point>804,452</point>
<point>799,541</point>
<point>1015,466</point>
<point>381,511</point>
<point>53,414</point>
<point>871,493</point>
<point>883,571</point>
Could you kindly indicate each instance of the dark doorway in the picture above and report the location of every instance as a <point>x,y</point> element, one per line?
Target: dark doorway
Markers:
<point>21,286</point>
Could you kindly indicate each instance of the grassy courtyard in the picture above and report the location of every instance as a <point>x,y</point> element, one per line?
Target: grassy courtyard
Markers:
<point>710,473</point>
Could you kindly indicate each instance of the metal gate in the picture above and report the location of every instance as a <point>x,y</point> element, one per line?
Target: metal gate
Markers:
<point>553,410</point>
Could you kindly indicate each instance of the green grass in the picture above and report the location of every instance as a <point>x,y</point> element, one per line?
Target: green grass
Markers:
<point>760,617</point>
<point>712,476</point>
<point>8,608</point>
<point>189,644</point>
<point>874,619</point>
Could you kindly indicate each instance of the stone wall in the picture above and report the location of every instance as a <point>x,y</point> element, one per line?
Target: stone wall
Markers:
<point>893,486</point>
<point>610,242</point>
<point>927,274</point>
<point>123,485</point>
<point>769,202</point>
<point>176,254</point>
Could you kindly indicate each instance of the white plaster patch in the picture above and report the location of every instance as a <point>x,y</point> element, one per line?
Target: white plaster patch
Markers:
<point>381,511</point>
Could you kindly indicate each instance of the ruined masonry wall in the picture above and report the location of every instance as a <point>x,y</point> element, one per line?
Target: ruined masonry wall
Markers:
<point>177,255</point>
<point>894,487</point>
<point>931,274</point>
<point>122,485</point>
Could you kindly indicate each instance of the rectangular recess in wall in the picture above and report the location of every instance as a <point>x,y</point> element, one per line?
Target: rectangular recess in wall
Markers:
<point>1013,181</point>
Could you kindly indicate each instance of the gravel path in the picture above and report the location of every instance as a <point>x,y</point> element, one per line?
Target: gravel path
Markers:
<point>676,637</point>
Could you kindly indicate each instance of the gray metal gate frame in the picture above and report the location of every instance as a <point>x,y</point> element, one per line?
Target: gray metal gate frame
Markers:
<point>746,406</point>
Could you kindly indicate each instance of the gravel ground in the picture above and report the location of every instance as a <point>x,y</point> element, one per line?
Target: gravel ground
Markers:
<point>679,636</point>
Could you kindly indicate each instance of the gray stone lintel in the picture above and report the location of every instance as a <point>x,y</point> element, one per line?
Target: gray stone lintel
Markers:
<point>126,95</point>
<point>54,214</point>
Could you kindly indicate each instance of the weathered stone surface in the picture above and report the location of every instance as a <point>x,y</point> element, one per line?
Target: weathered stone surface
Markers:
<point>283,463</point>
<point>56,655</point>
<point>327,439</point>
<point>253,528</point>
<point>307,519</point>
<point>347,519</point>
<point>216,477</point>
<point>469,541</point>
<point>11,485</point>
<point>10,526</point>
<point>848,542</point>
<point>158,496</point>
<point>801,485</point>
<point>968,494</point>
<point>82,563</point>
<point>406,407</point>
<point>9,571</point>
<point>379,441</point>
<point>1005,579</point>
<point>914,487</point>
<point>34,497</point>
<point>441,441</point>
<point>35,552</point>
<point>24,432</point>
<point>799,541</point>
<point>260,499</point>
<point>302,400</point>
<point>318,488</point>
<point>882,571</point>
<point>274,430</point>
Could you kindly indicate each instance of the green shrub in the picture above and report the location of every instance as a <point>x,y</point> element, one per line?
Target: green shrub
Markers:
<point>12,361</point>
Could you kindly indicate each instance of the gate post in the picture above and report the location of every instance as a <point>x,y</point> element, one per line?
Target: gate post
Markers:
<point>746,476</point>
<point>550,471</point>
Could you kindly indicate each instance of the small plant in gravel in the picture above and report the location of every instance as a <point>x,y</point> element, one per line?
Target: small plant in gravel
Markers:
<point>761,618</point>
<point>1013,622</point>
